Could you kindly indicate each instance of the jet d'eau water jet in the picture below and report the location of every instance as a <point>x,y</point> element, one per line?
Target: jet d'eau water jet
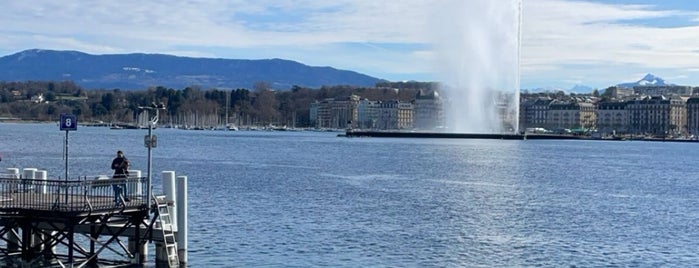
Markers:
<point>478,47</point>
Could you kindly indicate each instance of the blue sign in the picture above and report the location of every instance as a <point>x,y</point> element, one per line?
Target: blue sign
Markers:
<point>69,122</point>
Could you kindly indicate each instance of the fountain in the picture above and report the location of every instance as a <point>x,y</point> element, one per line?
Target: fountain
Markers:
<point>478,48</point>
<point>478,54</point>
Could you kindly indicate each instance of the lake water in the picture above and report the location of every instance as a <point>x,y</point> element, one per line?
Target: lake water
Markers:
<point>307,199</point>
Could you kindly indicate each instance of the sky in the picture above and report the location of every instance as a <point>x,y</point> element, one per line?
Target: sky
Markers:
<point>596,43</point>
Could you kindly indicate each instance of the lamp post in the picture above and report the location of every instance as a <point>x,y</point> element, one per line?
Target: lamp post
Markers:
<point>150,142</point>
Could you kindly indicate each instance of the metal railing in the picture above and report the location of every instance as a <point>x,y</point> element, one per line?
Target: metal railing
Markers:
<point>84,195</point>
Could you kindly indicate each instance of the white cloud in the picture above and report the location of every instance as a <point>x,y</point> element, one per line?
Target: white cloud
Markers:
<point>563,41</point>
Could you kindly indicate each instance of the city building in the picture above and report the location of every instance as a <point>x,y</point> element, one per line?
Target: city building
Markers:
<point>693,116</point>
<point>657,115</point>
<point>428,110</point>
<point>367,114</point>
<point>573,114</point>
<point>338,113</point>
<point>612,117</point>
<point>394,114</point>
<point>533,113</point>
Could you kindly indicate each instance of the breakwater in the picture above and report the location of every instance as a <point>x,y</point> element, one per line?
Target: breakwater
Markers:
<point>444,135</point>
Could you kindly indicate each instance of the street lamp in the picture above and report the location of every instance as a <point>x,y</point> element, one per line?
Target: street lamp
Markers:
<point>150,142</point>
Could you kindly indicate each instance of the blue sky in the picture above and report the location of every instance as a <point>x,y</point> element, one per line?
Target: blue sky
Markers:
<point>564,43</point>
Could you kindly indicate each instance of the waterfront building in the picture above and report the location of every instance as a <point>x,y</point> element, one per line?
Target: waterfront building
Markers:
<point>336,113</point>
<point>367,114</point>
<point>533,113</point>
<point>571,114</point>
<point>428,110</point>
<point>394,114</point>
<point>405,115</point>
<point>657,115</point>
<point>612,117</point>
<point>313,113</point>
<point>693,116</point>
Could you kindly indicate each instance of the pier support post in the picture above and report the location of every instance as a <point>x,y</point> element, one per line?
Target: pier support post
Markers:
<point>140,248</point>
<point>39,188</point>
<point>169,190</point>
<point>13,237</point>
<point>182,218</point>
<point>135,190</point>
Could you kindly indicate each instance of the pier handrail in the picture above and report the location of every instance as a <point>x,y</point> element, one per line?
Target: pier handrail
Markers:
<point>82,195</point>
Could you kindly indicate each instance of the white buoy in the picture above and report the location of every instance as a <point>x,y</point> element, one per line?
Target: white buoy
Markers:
<point>182,219</point>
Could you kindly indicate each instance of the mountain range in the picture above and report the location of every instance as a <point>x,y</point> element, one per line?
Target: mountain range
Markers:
<point>647,80</point>
<point>140,71</point>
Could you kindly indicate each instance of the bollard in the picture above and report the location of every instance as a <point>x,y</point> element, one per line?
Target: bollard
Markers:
<point>41,186</point>
<point>29,174</point>
<point>13,173</point>
<point>169,190</point>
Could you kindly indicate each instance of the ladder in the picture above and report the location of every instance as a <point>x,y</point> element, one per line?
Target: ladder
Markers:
<point>165,223</point>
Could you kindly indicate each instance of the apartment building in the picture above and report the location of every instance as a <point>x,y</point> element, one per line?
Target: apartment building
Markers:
<point>428,110</point>
<point>394,114</point>
<point>693,116</point>
<point>657,115</point>
<point>367,114</point>
<point>571,114</point>
<point>533,113</point>
<point>335,113</point>
<point>612,117</point>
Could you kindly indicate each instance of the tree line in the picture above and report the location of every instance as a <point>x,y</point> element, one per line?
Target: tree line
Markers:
<point>257,106</point>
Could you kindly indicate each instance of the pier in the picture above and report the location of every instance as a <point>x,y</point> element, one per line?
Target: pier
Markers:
<point>446,135</point>
<point>90,221</point>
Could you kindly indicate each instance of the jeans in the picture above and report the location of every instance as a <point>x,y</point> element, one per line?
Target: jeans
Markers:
<point>119,189</point>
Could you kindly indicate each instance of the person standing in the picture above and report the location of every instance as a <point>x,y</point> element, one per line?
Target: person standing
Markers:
<point>120,165</point>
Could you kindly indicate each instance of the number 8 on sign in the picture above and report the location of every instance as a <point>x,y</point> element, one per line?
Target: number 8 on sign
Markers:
<point>69,122</point>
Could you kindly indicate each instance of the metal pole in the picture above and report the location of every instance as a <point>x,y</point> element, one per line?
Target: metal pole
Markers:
<point>66,179</point>
<point>66,156</point>
<point>150,145</point>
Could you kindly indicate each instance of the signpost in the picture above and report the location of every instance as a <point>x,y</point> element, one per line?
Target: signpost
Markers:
<point>68,123</point>
<point>151,141</point>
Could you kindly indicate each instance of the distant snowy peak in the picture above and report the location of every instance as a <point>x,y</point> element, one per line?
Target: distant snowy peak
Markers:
<point>648,80</point>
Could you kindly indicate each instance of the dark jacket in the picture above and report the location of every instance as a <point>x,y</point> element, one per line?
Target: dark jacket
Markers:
<point>120,165</point>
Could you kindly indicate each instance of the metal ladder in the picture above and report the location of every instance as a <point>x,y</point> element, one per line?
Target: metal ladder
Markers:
<point>165,222</point>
